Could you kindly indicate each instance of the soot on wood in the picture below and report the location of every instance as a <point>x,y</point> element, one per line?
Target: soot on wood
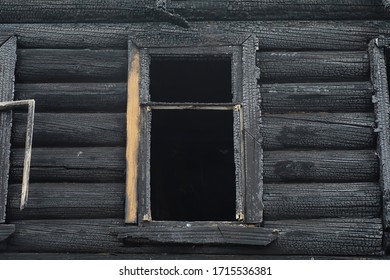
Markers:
<point>192,165</point>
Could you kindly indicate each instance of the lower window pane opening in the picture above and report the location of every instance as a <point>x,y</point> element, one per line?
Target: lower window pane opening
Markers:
<point>192,165</point>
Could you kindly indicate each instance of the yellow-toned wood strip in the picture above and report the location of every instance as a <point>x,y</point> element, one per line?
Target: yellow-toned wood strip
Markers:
<point>133,112</point>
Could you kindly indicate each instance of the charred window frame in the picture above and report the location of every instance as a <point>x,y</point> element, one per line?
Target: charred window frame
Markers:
<point>247,143</point>
<point>379,50</point>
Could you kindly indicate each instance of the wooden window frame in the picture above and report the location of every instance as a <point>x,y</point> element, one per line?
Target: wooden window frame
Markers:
<point>8,62</point>
<point>381,102</point>
<point>247,142</point>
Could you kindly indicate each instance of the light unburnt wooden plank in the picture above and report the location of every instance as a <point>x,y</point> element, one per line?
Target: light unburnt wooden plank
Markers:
<point>133,115</point>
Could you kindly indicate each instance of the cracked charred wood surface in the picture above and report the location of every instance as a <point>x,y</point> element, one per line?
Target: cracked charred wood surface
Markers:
<point>287,9</point>
<point>196,10</point>
<point>6,230</point>
<point>314,237</point>
<point>66,65</point>
<point>313,66</point>
<point>321,200</point>
<point>75,97</point>
<point>280,131</point>
<point>273,35</point>
<point>318,131</point>
<point>317,97</point>
<point>68,201</point>
<point>7,69</point>
<point>282,201</point>
<point>56,66</point>
<point>206,233</point>
<point>82,164</point>
<point>321,166</point>
<point>107,164</point>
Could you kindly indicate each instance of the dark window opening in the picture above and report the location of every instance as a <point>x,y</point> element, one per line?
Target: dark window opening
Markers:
<point>192,165</point>
<point>205,79</point>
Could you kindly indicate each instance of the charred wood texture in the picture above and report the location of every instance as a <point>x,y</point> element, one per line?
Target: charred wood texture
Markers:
<point>318,131</point>
<point>205,233</point>
<point>320,166</point>
<point>85,164</point>
<point>68,201</point>
<point>146,10</point>
<point>72,129</point>
<point>266,10</point>
<point>328,236</point>
<point>313,237</point>
<point>273,35</point>
<point>7,69</point>
<point>82,164</point>
<point>71,97</point>
<point>57,66</point>
<point>313,66</point>
<point>5,231</point>
<point>280,131</point>
<point>282,201</point>
<point>316,97</point>
<point>308,201</point>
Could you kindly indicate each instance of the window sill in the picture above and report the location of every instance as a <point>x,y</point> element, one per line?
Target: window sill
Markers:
<point>196,233</point>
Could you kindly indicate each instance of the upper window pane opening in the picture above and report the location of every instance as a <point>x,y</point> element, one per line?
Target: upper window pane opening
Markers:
<point>196,79</point>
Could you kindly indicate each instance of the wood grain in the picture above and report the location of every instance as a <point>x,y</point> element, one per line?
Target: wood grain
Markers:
<point>132,143</point>
<point>317,97</point>
<point>309,67</point>
<point>7,69</point>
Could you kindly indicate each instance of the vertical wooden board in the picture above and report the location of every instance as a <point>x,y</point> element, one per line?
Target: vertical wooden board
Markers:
<point>252,137</point>
<point>133,113</point>
<point>382,107</point>
<point>7,71</point>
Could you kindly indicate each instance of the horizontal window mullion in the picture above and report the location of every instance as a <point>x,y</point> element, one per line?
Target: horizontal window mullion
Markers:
<point>190,106</point>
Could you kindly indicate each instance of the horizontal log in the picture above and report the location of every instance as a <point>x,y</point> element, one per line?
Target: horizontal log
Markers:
<point>280,10</point>
<point>320,166</point>
<point>273,35</point>
<point>331,131</point>
<point>68,201</point>
<point>328,236</point>
<point>282,201</point>
<point>146,10</point>
<point>317,97</point>
<point>76,11</point>
<point>312,67</point>
<point>318,131</point>
<point>103,164</point>
<point>70,129</point>
<point>310,237</point>
<point>80,164</point>
<point>205,233</point>
<point>312,201</point>
<point>79,97</point>
<point>85,236</point>
<point>6,230</point>
<point>60,65</point>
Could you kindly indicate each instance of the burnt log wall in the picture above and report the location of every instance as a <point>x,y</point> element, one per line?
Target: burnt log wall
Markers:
<point>321,187</point>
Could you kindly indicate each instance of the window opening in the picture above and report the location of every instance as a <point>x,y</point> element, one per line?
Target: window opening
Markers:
<point>204,79</point>
<point>192,165</point>
<point>192,151</point>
